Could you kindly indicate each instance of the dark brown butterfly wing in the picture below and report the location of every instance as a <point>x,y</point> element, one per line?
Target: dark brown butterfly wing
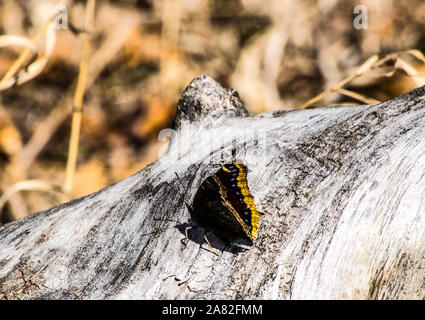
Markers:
<point>224,205</point>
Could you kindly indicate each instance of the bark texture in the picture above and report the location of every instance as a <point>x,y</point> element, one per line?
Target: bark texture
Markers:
<point>342,190</point>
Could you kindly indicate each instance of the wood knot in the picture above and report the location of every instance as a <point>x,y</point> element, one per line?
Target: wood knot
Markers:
<point>205,100</point>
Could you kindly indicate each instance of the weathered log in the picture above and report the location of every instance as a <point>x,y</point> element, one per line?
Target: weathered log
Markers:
<point>342,191</point>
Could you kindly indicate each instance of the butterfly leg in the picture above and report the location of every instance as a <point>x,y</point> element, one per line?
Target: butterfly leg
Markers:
<point>187,237</point>
<point>209,244</point>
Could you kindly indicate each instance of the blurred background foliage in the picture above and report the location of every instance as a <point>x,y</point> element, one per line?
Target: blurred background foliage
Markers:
<point>277,54</point>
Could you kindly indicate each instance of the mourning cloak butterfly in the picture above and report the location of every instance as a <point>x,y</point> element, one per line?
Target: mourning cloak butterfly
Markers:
<point>224,205</point>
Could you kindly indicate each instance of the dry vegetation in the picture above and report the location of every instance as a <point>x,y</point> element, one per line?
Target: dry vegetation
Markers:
<point>125,63</point>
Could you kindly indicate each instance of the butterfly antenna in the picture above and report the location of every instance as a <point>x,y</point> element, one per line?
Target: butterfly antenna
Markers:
<point>188,205</point>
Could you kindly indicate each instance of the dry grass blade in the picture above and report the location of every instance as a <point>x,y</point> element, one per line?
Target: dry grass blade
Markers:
<point>59,113</point>
<point>10,136</point>
<point>25,55</point>
<point>26,185</point>
<point>170,53</point>
<point>367,65</point>
<point>23,160</point>
<point>406,67</point>
<point>110,47</point>
<point>35,68</point>
<point>362,69</point>
<point>374,67</point>
<point>78,99</point>
<point>358,96</point>
<point>12,40</point>
<point>416,53</point>
<point>402,64</point>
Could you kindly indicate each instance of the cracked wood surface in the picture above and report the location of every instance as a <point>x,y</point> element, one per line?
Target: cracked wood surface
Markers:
<point>342,189</point>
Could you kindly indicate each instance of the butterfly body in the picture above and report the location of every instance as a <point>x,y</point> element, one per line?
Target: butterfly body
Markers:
<point>224,205</point>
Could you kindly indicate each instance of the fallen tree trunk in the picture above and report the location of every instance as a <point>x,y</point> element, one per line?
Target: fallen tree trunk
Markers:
<point>342,191</point>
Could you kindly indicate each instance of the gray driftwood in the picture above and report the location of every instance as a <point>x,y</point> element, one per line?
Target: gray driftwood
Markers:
<point>342,190</point>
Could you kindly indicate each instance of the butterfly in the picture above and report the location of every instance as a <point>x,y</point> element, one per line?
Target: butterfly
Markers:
<point>224,206</point>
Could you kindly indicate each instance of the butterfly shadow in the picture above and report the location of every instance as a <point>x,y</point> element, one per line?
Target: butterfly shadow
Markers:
<point>197,234</point>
